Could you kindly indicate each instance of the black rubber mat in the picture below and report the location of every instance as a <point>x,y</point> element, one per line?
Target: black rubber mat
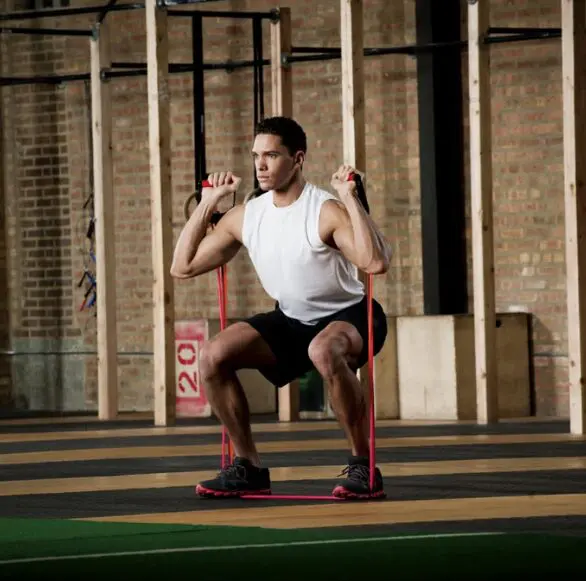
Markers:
<point>201,439</point>
<point>114,467</point>
<point>176,499</point>
<point>566,525</point>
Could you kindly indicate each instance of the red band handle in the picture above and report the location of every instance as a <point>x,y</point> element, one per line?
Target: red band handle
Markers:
<point>206,184</point>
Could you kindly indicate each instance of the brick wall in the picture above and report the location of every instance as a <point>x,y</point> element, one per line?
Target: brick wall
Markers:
<point>47,161</point>
<point>528,191</point>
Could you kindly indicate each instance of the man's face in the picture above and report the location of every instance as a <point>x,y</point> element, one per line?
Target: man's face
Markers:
<point>274,165</point>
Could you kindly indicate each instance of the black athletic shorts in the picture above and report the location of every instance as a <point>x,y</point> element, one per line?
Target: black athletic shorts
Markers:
<point>289,339</point>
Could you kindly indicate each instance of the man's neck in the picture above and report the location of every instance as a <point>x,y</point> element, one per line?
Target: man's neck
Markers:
<point>286,196</point>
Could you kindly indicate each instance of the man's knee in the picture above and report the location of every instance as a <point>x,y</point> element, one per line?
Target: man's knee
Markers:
<point>336,347</point>
<point>328,354</point>
<point>212,359</point>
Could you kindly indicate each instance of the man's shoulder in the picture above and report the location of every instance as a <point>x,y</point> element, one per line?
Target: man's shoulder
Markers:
<point>232,221</point>
<point>256,201</point>
<point>321,197</point>
<point>318,190</point>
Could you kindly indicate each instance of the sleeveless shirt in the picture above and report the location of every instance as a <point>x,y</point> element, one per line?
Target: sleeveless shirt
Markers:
<point>309,279</point>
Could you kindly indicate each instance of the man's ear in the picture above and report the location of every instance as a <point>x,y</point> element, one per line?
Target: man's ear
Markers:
<point>300,159</point>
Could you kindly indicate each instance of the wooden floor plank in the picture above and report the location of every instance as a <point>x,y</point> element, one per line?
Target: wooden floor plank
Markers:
<point>56,420</point>
<point>283,474</point>
<point>165,431</point>
<point>372,513</point>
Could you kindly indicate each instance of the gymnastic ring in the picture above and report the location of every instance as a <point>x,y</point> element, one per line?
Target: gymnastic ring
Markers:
<point>216,216</point>
<point>190,199</point>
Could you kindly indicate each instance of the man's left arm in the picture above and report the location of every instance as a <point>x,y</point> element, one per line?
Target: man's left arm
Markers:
<point>353,231</point>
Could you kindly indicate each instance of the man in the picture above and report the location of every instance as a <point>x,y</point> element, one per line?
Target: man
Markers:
<point>307,246</point>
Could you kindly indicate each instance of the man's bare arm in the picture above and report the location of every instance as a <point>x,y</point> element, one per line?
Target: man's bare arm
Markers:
<point>348,227</point>
<point>198,251</point>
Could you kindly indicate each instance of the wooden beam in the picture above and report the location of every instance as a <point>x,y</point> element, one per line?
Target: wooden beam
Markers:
<point>574,107</point>
<point>104,224</point>
<point>353,121</point>
<point>161,216</point>
<point>281,75</point>
<point>353,115</point>
<point>482,217</point>
<point>282,104</point>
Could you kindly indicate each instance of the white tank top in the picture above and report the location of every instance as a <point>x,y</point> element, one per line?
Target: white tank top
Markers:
<point>309,279</point>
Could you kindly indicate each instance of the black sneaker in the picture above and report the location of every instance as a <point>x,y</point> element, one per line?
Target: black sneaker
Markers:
<point>237,479</point>
<point>357,482</point>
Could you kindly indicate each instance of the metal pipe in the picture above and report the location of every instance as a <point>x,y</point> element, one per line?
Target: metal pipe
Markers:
<point>104,12</point>
<point>183,2</point>
<point>223,14</point>
<point>52,12</point>
<point>521,37</point>
<point>199,139</point>
<point>127,65</point>
<point>49,79</point>
<point>124,74</point>
<point>187,67</point>
<point>40,31</point>
<point>314,49</point>
<point>520,30</point>
<point>334,53</point>
<point>233,65</point>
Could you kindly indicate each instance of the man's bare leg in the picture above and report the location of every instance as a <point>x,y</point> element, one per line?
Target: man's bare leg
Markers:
<point>330,352</point>
<point>237,347</point>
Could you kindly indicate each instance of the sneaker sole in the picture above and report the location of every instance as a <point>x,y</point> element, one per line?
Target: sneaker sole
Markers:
<point>209,493</point>
<point>341,492</point>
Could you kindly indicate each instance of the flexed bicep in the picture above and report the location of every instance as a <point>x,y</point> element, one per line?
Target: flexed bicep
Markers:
<point>217,247</point>
<point>215,250</point>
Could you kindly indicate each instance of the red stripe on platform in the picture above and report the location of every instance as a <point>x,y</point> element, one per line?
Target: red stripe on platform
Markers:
<point>288,497</point>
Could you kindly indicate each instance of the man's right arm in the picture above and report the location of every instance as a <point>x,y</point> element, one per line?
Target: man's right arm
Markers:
<point>197,253</point>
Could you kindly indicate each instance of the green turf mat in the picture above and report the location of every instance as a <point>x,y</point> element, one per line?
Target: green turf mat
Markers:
<point>26,538</point>
<point>470,557</point>
<point>30,529</point>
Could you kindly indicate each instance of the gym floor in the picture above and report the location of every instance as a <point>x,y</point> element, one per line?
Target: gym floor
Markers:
<point>73,490</point>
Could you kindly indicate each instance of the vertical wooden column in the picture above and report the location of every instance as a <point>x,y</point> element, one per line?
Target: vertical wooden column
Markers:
<point>281,74</point>
<point>353,120</point>
<point>161,213</point>
<point>353,116</point>
<point>104,225</point>
<point>574,101</point>
<point>282,104</point>
<point>482,216</point>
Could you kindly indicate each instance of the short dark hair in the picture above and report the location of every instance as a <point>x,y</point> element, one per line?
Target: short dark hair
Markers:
<point>291,133</point>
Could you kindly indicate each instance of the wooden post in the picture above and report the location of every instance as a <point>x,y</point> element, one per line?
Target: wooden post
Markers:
<point>281,79</point>
<point>282,104</point>
<point>353,123</point>
<point>104,225</point>
<point>161,216</point>
<point>353,116</point>
<point>574,96</point>
<point>482,218</point>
